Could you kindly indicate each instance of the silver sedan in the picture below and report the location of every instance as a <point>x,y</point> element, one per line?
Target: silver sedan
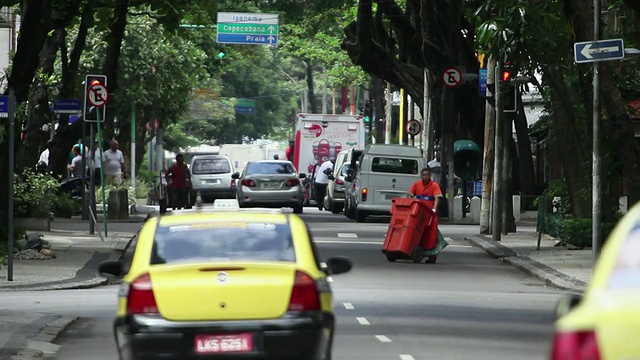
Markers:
<point>270,183</point>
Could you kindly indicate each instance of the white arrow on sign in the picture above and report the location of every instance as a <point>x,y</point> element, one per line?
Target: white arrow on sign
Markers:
<point>414,127</point>
<point>586,51</point>
<point>271,38</point>
<point>271,29</point>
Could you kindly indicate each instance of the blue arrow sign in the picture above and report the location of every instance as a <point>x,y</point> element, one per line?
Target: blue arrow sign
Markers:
<point>4,106</point>
<point>247,39</point>
<point>603,50</point>
<point>67,106</point>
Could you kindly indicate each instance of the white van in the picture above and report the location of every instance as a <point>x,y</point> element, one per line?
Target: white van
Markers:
<point>385,172</point>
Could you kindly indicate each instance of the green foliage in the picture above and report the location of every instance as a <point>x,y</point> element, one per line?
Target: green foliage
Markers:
<point>65,206</point>
<point>34,194</point>
<point>576,231</point>
<point>559,188</point>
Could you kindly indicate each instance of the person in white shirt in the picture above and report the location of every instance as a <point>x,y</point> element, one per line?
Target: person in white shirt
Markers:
<point>435,167</point>
<point>75,168</point>
<point>93,159</point>
<point>44,155</point>
<point>321,181</point>
<point>114,168</point>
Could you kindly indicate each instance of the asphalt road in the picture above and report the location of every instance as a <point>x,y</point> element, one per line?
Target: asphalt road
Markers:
<point>467,306</point>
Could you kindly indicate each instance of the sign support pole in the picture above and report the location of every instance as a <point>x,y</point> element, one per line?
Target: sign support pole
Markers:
<point>104,202</point>
<point>597,167</point>
<point>133,146</point>
<point>92,180</point>
<point>10,230</point>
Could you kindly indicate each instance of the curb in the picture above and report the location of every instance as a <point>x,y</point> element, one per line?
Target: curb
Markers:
<point>42,345</point>
<point>547,274</point>
<point>86,277</point>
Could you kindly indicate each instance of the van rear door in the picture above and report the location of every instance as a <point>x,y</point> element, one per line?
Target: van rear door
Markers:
<point>391,177</point>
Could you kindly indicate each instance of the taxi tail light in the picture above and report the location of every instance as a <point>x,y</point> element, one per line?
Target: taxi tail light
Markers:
<point>305,295</point>
<point>233,183</point>
<point>364,194</point>
<point>292,182</point>
<point>339,182</point>
<point>578,345</point>
<point>141,299</point>
<point>248,182</point>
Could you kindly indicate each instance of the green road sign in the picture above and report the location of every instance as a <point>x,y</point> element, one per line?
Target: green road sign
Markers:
<point>248,29</point>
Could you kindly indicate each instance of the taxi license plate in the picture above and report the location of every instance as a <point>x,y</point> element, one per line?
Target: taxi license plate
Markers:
<point>390,196</point>
<point>210,181</point>
<point>214,344</point>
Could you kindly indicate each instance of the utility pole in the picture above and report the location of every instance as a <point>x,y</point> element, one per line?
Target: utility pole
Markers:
<point>387,122</point>
<point>425,144</point>
<point>489,140</point>
<point>597,166</point>
<point>498,188</point>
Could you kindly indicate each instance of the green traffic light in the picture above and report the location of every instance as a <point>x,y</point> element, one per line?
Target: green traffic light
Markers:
<point>366,119</point>
<point>221,55</point>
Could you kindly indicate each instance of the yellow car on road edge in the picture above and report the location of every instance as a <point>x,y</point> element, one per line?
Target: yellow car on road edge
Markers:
<point>604,323</point>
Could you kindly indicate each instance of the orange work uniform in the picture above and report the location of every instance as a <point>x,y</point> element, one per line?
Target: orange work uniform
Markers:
<point>428,193</point>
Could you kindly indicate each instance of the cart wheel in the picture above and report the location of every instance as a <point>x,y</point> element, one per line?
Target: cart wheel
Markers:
<point>391,258</point>
<point>432,259</point>
<point>417,255</point>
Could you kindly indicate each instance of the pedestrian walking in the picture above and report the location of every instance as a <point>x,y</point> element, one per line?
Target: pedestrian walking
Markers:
<point>427,190</point>
<point>179,180</point>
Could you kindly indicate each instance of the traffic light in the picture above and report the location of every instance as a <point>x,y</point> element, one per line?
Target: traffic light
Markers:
<point>367,111</point>
<point>509,90</point>
<point>90,111</point>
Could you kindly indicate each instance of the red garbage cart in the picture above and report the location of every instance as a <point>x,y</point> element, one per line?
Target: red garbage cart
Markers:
<point>413,230</point>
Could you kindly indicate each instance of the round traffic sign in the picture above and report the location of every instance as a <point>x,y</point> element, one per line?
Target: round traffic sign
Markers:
<point>414,127</point>
<point>98,95</point>
<point>451,77</point>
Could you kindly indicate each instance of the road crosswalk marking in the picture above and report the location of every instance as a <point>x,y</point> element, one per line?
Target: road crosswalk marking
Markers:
<point>406,357</point>
<point>383,339</point>
<point>363,321</point>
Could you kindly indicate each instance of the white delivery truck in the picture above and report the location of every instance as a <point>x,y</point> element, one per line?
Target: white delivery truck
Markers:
<point>320,137</point>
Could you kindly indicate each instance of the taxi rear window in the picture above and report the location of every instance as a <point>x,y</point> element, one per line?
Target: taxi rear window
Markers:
<point>221,242</point>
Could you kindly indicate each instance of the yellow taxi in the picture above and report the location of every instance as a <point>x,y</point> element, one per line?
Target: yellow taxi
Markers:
<point>228,284</point>
<point>604,323</point>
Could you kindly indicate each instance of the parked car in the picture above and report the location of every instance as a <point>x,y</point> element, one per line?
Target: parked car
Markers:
<point>211,177</point>
<point>270,183</point>
<point>334,200</point>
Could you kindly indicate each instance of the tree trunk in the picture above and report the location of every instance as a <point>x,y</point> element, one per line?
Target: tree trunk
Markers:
<point>30,147</point>
<point>112,56</point>
<point>528,186</point>
<point>564,125</point>
<point>378,103</point>
<point>66,135</point>
<point>313,104</point>
<point>489,146</point>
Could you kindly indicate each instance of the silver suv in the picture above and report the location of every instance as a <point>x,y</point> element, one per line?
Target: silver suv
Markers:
<point>211,176</point>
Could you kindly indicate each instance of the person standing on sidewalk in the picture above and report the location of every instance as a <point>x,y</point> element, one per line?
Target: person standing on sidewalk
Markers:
<point>179,179</point>
<point>322,181</point>
<point>114,169</point>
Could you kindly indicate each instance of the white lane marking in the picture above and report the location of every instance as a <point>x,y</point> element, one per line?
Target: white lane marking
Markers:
<point>363,321</point>
<point>348,242</point>
<point>448,238</point>
<point>348,306</point>
<point>383,339</point>
<point>406,357</point>
<point>347,235</point>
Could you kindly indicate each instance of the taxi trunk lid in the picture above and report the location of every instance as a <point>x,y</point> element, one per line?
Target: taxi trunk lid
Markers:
<point>223,291</point>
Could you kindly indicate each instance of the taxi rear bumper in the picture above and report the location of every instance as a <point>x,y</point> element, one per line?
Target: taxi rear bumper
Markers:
<point>301,336</point>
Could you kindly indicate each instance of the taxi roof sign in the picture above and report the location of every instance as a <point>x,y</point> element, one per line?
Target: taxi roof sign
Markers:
<point>226,204</point>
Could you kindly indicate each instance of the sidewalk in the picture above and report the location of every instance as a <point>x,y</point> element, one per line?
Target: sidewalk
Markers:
<point>556,266</point>
<point>31,335</point>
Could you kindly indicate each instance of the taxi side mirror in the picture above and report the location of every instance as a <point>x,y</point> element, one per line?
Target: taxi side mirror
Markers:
<point>111,269</point>
<point>235,176</point>
<point>302,175</point>
<point>566,304</point>
<point>338,265</point>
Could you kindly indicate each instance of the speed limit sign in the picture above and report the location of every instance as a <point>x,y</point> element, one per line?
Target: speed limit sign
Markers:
<point>414,127</point>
